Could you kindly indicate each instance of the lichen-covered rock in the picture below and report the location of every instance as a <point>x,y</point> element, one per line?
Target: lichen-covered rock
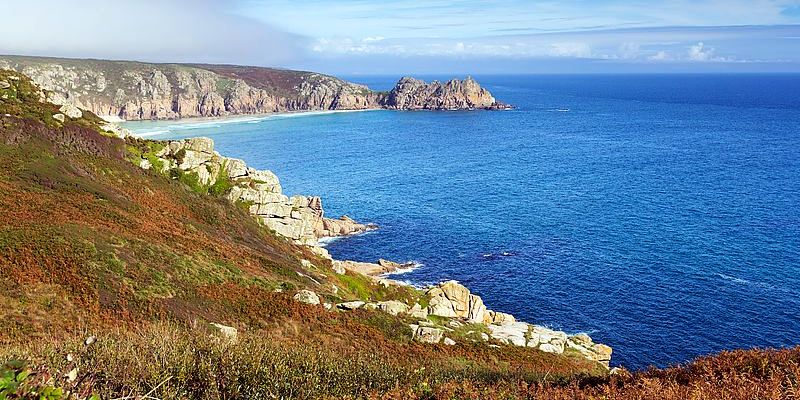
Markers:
<point>393,307</point>
<point>71,111</point>
<point>307,297</point>
<point>229,333</point>
<point>427,334</point>
<point>514,334</point>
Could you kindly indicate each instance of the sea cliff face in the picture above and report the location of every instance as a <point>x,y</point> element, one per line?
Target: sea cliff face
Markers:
<point>137,91</point>
<point>414,94</point>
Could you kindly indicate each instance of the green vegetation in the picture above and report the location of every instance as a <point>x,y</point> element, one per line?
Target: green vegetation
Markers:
<point>223,183</point>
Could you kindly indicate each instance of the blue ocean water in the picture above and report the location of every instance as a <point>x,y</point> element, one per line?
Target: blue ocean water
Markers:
<point>660,214</point>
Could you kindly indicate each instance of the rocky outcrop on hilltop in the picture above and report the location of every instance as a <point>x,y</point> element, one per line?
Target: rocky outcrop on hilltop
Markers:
<point>414,94</point>
<point>137,91</point>
<point>299,218</point>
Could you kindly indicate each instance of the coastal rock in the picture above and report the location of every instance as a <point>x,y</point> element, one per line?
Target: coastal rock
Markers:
<point>229,333</point>
<point>500,318</point>
<point>299,218</point>
<point>71,111</point>
<point>452,300</point>
<point>426,334</point>
<point>514,334</point>
<point>393,307</point>
<point>418,312</point>
<point>307,297</point>
<point>414,94</point>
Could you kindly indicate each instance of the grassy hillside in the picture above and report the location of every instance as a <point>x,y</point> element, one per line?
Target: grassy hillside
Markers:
<point>110,276</point>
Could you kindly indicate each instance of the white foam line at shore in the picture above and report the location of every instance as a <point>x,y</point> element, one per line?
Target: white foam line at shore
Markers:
<point>400,271</point>
<point>215,122</point>
<point>325,241</point>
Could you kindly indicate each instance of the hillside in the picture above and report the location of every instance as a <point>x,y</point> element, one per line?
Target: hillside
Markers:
<point>121,280</point>
<point>134,90</point>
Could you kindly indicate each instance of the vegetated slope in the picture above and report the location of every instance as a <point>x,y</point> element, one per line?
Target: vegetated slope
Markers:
<point>91,244</point>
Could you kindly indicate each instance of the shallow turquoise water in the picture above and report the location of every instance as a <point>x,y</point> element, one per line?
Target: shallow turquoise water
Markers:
<point>658,213</point>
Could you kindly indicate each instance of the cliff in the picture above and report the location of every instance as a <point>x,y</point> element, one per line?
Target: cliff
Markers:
<point>414,94</point>
<point>135,90</point>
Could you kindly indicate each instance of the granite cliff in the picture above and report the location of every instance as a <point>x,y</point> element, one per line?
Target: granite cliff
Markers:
<point>135,91</point>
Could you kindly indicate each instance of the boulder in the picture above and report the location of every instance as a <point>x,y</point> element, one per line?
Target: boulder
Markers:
<point>228,333</point>
<point>514,334</point>
<point>550,348</point>
<point>59,117</point>
<point>235,168</point>
<point>441,306</point>
<point>603,353</point>
<point>453,300</point>
<point>307,297</point>
<point>498,318</point>
<point>200,145</point>
<point>426,334</point>
<point>418,312</point>
<point>4,85</point>
<point>393,307</point>
<point>193,159</point>
<point>71,111</point>
<point>476,311</point>
<point>449,342</point>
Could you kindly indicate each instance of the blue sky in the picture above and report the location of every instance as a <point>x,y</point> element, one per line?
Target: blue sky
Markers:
<point>433,36</point>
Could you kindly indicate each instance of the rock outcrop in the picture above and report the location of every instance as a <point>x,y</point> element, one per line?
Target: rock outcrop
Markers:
<point>135,91</point>
<point>299,218</point>
<point>414,94</point>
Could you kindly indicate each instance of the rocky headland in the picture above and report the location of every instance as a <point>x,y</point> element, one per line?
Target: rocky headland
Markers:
<point>142,91</point>
<point>302,220</point>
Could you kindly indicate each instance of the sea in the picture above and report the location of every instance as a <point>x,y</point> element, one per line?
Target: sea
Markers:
<point>658,213</point>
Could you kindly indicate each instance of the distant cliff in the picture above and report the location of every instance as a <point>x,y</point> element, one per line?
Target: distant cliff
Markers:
<point>134,90</point>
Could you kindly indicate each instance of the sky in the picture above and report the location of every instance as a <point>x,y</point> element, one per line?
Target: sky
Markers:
<point>410,36</point>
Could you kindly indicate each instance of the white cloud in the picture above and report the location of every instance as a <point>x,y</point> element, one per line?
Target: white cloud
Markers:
<point>629,51</point>
<point>701,52</point>
<point>660,56</point>
<point>567,49</point>
<point>147,30</point>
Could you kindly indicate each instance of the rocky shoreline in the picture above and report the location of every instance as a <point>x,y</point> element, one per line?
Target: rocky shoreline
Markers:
<point>302,220</point>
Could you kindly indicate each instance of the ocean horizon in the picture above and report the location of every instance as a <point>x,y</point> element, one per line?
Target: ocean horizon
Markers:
<point>658,213</point>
